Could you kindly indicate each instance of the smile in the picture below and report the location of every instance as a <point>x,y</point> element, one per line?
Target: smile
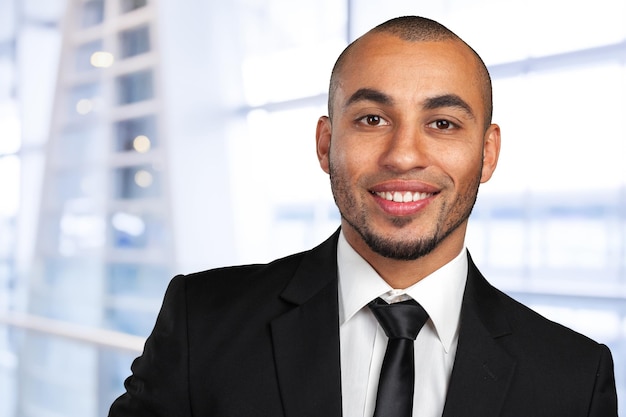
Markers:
<point>403,196</point>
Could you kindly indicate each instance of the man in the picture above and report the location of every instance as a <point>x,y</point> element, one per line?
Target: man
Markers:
<point>407,142</point>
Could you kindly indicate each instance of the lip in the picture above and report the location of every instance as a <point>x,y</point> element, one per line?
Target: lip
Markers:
<point>403,198</point>
<point>404,185</point>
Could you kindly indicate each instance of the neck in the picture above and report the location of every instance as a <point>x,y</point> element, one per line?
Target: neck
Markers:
<point>401,274</point>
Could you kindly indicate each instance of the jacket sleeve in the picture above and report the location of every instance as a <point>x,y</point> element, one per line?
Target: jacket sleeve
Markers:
<point>158,385</point>
<point>604,400</point>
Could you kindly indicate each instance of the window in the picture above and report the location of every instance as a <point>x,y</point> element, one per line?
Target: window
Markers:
<point>246,82</point>
<point>130,5</point>
<point>92,13</point>
<point>134,41</point>
<point>137,134</point>
<point>136,182</point>
<point>135,87</point>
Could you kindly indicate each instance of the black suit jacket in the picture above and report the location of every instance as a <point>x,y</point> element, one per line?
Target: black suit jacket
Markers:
<point>263,340</point>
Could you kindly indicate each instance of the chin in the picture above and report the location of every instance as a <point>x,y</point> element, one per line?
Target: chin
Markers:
<point>406,247</point>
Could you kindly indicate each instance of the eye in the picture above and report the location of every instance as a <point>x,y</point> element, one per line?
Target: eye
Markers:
<point>373,120</point>
<point>442,125</point>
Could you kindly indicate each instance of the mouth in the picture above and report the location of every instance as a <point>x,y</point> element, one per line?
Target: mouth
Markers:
<point>403,196</point>
<point>398,198</point>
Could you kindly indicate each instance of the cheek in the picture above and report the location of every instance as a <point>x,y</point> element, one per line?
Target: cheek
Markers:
<point>464,165</point>
<point>350,158</point>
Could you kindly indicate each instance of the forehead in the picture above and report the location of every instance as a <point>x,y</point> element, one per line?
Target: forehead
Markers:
<point>410,70</point>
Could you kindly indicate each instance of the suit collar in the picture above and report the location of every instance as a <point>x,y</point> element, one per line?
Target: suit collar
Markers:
<point>440,293</point>
<point>482,369</point>
<point>317,269</point>
<point>484,300</point>
<point>306,338</point>
<point>306,344</point>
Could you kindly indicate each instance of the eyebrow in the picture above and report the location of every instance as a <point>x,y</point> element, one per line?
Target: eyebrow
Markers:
<point>431,103</point>
<point>369,94</point>
<point>448,100</point>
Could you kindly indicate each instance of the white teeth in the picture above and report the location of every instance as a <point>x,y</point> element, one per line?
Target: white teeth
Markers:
<point>402,197</point>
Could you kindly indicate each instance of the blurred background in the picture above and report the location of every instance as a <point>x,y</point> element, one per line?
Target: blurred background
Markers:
<point>144,138</point>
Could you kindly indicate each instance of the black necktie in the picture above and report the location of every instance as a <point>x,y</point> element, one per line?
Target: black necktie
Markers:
<point>401,323</point>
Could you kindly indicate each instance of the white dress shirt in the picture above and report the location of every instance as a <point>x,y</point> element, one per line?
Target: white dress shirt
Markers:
<point>363,341</point>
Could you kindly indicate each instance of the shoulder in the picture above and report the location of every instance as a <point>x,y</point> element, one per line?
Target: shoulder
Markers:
<point>210,299</point>
<point>544,347</point>
<point>272,277</point>
<point>555,359</point>
<point>503,315</point>
<point>527,321</point>
<point>241,278</point>
<point>524,333</point>
<point>528,324</point>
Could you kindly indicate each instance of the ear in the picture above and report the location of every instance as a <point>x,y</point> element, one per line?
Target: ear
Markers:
<point>322,142</point>
<point>491,152</point>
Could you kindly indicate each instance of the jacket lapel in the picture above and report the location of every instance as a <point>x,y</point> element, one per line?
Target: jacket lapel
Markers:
<point>306,344</point>
<point>482,370</point>
<point>306,338</point>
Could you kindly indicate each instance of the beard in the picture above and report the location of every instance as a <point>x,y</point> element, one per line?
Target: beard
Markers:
<point>451,215</point>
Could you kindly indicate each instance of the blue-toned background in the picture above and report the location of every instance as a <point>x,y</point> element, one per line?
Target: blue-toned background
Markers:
<point>144,138</point>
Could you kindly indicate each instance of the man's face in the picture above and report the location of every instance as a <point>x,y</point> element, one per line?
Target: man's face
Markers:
<point>407,147</point>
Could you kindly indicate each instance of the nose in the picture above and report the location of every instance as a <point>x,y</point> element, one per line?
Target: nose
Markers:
<point>406,149</point>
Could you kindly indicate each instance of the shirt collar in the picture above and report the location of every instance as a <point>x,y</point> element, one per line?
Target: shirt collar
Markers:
<point>440,293</point>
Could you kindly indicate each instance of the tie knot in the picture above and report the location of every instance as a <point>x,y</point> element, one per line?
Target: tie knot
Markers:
<point>401,320</point>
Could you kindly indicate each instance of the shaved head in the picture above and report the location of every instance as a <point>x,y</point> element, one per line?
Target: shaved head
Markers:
<point>414,29</point>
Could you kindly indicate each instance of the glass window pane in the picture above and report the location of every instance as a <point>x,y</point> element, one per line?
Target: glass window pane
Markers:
<point>140,280</point>
<point>134,87</point>
<point>270,131</point>
<point>290,48</point>
<point>69,233</point>
<point>138,134</point>
<point>83,99</point>
<point>80,231</point>
<point>137,231</point>
<point>561,129</point>
<point>8,77</point>
<point>10,125</point>
<point>92,13</point>
<point>84,141</point>
<point>144,285</point>
<point>130,320</point>
<point>74,184</point>
<point>128,231</point>
<point>56,367</point>
<point>510,20</point>
<point>134,42</point>
<point>84,55</point>
<point>136,182</point>
<point>112,371</point>
<point>9,190</point>
<point>65,275</point>
<point>130,5</point>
